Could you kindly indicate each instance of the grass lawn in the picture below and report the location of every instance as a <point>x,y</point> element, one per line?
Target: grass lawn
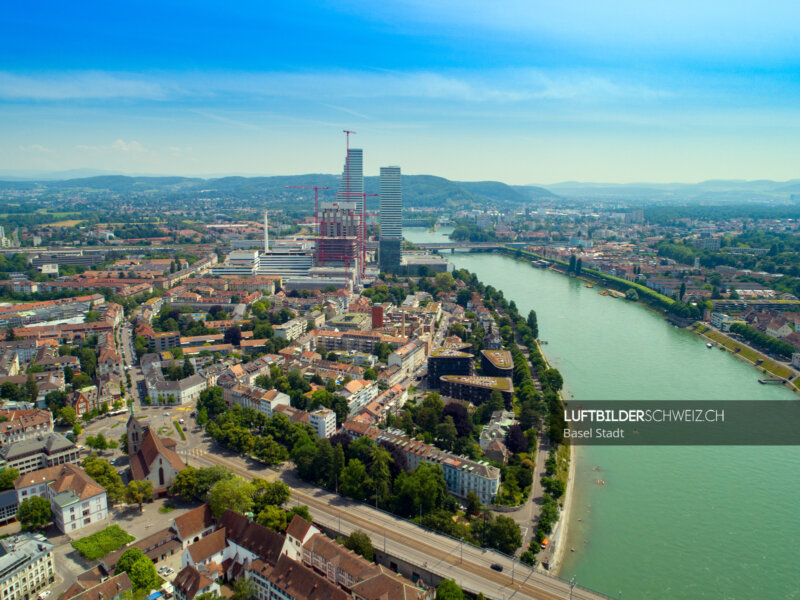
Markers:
<point>164,430</point>
<point>166,508</point>
<point>747,352</point>
<point>97,545</point>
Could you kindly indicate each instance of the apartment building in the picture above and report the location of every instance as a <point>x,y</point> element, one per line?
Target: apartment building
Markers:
<point>26,565</point>
<point>76,500</point>
<point>323,420</point>
<point>291,330</point>
<point>409,357</point>
<point>23,424</point>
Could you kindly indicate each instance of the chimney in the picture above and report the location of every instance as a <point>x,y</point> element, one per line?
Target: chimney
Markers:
<point>266,233</point>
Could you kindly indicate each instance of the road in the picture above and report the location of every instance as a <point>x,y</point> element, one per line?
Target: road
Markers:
<point>444,556</point>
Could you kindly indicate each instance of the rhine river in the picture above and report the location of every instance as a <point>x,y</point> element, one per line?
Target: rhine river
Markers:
<point>670,522</point>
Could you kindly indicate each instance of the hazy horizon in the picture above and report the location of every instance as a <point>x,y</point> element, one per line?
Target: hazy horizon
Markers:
<point>627,93</point>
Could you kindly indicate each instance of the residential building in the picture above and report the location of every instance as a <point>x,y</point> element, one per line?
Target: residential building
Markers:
<point>191,582</point>
<point>292,329</point>
<point>263,401</point>
<point>409,357</point>
<point>47,450</point>
<point>351,322</point>
<point>444,361</point>
<point>290,580</point>
<point>26,565</point>
<point>323,420</point>
<point>76,500</point>
<point>184,391</point>
<point>193,525</point>
<point>99,587</point>
<point>20,425</point>
<point>162,341</point>
<point>462,475</point>
<point>358,393</point>
<point>476,389</point>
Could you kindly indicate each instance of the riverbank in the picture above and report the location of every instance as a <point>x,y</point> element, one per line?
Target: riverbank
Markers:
<point>749,355</point>
<point>559,539</point>
<point>678,494</point>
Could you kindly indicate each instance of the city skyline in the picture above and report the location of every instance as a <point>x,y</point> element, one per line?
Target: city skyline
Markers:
<point>530,94</point>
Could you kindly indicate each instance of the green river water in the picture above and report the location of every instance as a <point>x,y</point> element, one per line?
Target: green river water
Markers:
<point>670,522</point>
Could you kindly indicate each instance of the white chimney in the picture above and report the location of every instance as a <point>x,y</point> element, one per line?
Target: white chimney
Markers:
<point>266,233</point>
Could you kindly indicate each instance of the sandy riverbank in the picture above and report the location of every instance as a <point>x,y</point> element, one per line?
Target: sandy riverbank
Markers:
<point>559,538</point>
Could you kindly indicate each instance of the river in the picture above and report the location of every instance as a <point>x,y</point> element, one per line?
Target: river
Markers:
<point>670,522</point>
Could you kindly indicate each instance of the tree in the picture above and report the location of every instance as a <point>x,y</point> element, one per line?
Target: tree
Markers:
<point>360,543</point>
<point>8,477</point>
<point>273,517</point>
<point>266,493</point>
<point>233,335</point>
<point>571,268</point>
<point>473,503</point>
<point>34,513</point>
<point>234,494</point>
<point>448,589</point>
<point>533,324</point>
<point>504,534</point>
<point>139,491</point>
<point>447,433</point>
<point>354,477</point>
<point>682,291</point>
<point>31,389</point>
<point>128,559</point>
<point>104,474</point>
<point>243,589</point>
<point>578,266</point>
<point>370,374</point>
<point>188,367</point>
<point>516,441</point>
<point>143,575</point>
<point>80,381</point>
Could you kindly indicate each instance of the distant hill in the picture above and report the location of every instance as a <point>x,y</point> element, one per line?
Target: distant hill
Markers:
<point>418,190</point>
<point>715,190</point>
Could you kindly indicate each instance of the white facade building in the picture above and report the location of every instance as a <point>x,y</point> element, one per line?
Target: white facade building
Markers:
<point>323,420</point>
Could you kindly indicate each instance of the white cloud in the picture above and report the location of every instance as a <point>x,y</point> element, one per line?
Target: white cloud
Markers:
<point>132,146</point>
<point>80,85</point>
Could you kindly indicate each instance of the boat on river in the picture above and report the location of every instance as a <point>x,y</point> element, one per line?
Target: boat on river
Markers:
<point>709,345</point>
<point>771,381</point>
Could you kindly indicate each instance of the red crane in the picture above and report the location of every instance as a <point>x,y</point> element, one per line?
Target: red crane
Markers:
<point>316,189</point>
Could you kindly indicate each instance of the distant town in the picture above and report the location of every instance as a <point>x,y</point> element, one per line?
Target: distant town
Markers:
<point>214,391</point>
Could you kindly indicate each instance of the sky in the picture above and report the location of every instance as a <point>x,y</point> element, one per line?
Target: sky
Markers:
<point>520,91</point>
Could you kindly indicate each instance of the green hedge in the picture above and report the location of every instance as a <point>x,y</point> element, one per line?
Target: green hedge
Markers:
<point>179,429</point>
<point>97,545</point>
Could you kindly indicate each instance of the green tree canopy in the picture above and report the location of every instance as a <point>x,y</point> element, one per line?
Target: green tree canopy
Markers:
<point>34,513</point>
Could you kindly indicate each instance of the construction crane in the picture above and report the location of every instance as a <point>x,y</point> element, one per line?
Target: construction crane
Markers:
<point>316,189</point>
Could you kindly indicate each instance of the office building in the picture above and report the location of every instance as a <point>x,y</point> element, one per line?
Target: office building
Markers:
<point>48,450</point>
<point>476,389</point>
<point>391,219</point>
<point>445,361</point>
<point>351,186</point>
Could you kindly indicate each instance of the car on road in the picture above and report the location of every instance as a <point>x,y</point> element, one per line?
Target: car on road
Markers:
<point>497,567</point>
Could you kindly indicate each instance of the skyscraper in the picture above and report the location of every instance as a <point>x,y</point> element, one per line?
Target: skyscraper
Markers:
<point>391,219</point>
<point>351,186</point>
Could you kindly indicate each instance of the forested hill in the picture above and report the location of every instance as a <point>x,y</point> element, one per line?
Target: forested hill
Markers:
<point>418,190</point>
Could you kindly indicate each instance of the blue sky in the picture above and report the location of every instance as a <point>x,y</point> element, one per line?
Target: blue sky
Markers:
<point>518,91</point>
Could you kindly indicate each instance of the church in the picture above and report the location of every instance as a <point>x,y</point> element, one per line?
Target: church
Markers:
<point>152,458</point>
